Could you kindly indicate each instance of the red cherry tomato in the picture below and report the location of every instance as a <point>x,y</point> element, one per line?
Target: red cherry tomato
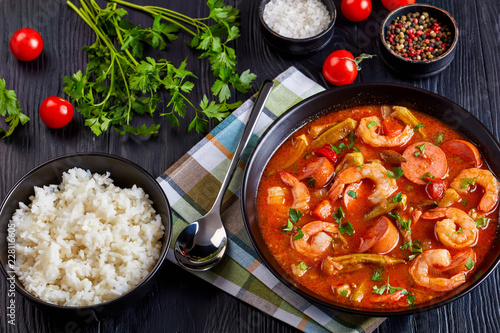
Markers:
<point>356,10</point>
<point>338,69</point>
<point>26,44</point>
<point>56,112</point>
<point>393,4</point>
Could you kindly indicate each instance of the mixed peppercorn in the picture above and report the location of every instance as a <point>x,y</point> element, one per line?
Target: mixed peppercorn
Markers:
<point>417,36</point>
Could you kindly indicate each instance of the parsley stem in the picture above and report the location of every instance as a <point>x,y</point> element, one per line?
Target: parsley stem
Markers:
<point>166,16</point>
<point>120,38</point>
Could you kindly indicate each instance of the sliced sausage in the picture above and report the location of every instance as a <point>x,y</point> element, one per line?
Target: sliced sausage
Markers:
<point>319,170</point>
<point>463,149</point>
<point>381,238</point>
<point>432,161</point>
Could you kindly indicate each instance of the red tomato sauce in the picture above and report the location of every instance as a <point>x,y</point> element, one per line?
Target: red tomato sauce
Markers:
<point>366,278</point>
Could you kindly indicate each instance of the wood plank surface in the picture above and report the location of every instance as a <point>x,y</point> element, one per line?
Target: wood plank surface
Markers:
<point>180,302</point>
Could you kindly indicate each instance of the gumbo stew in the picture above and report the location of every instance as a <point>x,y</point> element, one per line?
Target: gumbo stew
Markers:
<point>378,207</point>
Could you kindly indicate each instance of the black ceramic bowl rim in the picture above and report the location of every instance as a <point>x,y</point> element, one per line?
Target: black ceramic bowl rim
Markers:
<point>166,221</point>
<point>298,40</point>
<point>407,9</point>
<point>337,99</point>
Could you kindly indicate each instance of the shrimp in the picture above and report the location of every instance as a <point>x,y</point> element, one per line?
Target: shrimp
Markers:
<point>446,229</point>
<point>485,179</point>
<point>316,240</point>
<point>300,191</point>
<point>367,130</point>
<point>438,259</point>
<point>384,186</point>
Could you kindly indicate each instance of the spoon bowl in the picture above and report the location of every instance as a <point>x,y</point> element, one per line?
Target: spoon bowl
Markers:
<point>202,244</point>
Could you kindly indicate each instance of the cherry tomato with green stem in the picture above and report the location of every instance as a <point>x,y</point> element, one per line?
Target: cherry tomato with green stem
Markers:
<point>393,4</point>
<point>356,10</point>
<point>341,68</point>
<point>26,44</point>
<point>56,112</point>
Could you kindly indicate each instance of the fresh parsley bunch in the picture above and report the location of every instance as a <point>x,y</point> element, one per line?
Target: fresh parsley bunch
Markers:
<point>9,106</point>
<point>118,81</point>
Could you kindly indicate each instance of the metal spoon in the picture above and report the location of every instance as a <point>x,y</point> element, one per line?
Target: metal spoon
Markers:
<point>202,244</point>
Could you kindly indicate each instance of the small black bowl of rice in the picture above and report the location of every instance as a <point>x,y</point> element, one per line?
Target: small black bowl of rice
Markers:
<point>84,232</point>
<point>297,27</point>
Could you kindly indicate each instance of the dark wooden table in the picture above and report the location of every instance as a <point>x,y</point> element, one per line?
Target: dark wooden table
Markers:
<point>180,302</point>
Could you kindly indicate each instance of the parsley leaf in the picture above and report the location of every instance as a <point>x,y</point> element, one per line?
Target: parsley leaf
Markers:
<point>295,214</point>
<point>420,151</point>
<point>405,225</point>
<point>459,231</point>
<point>339,214</point>
<point>417,127</point>
<point>299,234</point>
<point>377,274</point>
<point>288,227</point>
<point>470,263</point>
<point>346,228</point>
<point>427,175</point>
<point>303,266</point>
<point>343,228</point>
<point>398,172</point>
<point>439,139</point>
<point>371,124</point>
<point>397,198</point>
<point>9,106</point>
<point>352,194</point>
<point>344,292</point>
<point>482,222</point>
<point>466,182</point>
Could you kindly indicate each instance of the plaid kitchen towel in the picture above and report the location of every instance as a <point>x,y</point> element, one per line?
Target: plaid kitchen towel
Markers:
<point>191,185</point>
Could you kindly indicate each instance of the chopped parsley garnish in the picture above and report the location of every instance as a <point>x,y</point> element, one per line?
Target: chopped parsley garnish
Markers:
<point>420,151</point>
<point>346,228</point>
<point>338,215</point>
<point>417,127</point>
<point>427,175</point>
<point>459,231</point>
<point>288,227</point>
<point>299,234</point>
<point>470,263</point>
<point>352,194</point>
<point>343,228</point>
<point>464,202</point>
<point>405,225</point>
<point>397,198</point>
<point>466,182</point>
<point>414,247</point>
<point>303,266</point>
<point>344,292</point>
<point>410,297</point>
<point>386,288</point>
<point>398,172</point>
<point>377,274</point>
<point>482,222</point>
<point>371,124</point>
<point>294,215</point>
<point>439,139</point>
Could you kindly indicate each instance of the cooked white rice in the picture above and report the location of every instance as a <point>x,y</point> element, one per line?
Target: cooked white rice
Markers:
<point>296,18</point>
<point>86,240</point>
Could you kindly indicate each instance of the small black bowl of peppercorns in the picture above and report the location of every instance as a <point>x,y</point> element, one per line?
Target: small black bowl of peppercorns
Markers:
<point>418,40</point>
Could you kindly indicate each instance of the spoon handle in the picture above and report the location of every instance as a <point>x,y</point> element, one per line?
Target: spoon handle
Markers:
<point>264,91</point>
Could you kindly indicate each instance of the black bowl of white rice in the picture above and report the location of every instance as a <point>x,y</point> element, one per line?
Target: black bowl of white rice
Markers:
<point>84,231</point>
<point>297,27</point>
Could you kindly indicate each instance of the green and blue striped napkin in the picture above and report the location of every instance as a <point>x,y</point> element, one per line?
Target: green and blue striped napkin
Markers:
<point>191,185</point>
